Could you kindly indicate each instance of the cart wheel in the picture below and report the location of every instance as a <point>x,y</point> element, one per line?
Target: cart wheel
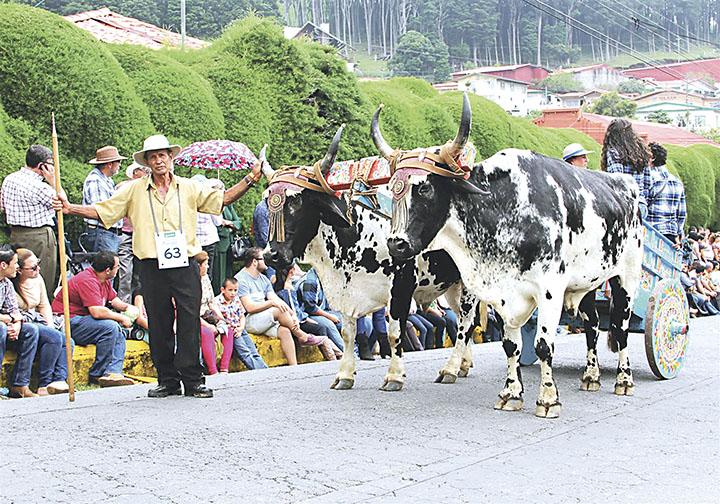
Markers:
<point>667,321</point>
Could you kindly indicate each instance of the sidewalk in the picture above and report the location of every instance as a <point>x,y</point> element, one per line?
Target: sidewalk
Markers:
<point>281,435</point>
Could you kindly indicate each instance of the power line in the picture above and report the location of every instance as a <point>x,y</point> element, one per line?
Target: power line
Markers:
<point>561,16</point>
<point>687,36</point>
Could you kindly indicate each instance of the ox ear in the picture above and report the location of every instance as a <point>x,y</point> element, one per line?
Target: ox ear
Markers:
<point>463,185</point>
<point>333,212</point>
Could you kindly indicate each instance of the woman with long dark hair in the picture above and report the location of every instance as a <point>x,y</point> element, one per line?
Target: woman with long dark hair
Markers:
<point>624,152</point>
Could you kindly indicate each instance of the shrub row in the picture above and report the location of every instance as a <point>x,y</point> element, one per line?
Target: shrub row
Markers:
<point>253,86</point>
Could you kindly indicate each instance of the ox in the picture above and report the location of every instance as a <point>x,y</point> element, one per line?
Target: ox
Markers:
<point>526,231</point>
<point>355,267</point>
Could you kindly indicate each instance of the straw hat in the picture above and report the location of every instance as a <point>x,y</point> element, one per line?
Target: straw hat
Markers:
<point>106,154</point>
<point>153,143</point>
<point>574,150</point>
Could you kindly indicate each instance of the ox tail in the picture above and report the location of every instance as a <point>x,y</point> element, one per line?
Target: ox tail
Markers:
<point>612,342</point>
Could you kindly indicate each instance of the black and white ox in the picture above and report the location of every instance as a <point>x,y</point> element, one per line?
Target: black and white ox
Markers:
<point>354,265</point>
<point>528,231</point>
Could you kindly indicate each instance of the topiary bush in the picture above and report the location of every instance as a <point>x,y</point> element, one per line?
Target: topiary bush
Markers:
<point>50,65</point>
<point>180,101</point>
<point>696,172</point>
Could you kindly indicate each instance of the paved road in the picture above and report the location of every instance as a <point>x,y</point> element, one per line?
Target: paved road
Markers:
<point>281,435</point>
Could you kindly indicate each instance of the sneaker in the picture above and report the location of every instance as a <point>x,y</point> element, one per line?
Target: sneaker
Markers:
<point>114,380</point>
<point>57,387</point>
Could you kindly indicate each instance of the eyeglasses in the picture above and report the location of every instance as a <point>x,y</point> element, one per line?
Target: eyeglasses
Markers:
<point>261,258</point>
<point>33,268</point>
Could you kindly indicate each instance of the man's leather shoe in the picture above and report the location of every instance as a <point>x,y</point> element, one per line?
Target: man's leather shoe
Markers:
<point>164,391</point>
<point>198,390</point>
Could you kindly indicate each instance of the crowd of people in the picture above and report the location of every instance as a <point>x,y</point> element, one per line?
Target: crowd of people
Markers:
<point>161,268</point>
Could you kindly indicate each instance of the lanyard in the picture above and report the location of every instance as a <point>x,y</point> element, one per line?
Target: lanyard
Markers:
<point>152,211</point>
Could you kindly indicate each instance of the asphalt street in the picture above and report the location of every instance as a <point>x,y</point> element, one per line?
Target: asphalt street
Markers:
<point>282,435</point>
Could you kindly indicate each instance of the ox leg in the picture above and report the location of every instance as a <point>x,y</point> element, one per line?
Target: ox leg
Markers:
<point>395,376</point>
<point>510,398</point>
<point>588,312</point>
<point>460,360</point>
<point>618,335</point>
<point>345,378</point>
<point>548,402</point>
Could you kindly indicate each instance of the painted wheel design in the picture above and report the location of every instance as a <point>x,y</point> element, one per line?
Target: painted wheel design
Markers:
<point>666,329</point>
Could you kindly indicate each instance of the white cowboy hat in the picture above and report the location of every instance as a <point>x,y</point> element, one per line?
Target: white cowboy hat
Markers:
<point>130,170</point>
<point>574,150</point>
<point>152,143</point>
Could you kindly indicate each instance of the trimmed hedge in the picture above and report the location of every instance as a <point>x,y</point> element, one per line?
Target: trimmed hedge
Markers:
<point>50,65</point>
<point>181,102</point>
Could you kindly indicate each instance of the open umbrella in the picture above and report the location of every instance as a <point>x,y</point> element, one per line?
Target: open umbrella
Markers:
<point>216,155</point>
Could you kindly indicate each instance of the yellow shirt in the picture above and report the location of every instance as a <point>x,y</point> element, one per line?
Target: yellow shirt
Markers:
<point>132,201</point>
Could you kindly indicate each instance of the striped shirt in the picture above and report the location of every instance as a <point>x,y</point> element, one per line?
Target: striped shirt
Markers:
<point>27,199</point>
<point>96,188</point>
<point>643,179</point>
<point>666,208</point>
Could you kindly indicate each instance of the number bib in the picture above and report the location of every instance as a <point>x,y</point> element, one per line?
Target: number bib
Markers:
<point>171,249</point>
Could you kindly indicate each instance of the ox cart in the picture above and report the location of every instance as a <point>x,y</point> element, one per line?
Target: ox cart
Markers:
<point>660,310</point>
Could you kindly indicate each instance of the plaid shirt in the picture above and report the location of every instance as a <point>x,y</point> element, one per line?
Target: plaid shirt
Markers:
<point>96,188</point>
<point>8,298</point>
<point>27,199</point>
<point>666,209</point>
<point>643,179</point>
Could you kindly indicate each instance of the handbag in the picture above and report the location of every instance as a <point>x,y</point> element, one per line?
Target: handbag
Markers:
<point>238,247</point>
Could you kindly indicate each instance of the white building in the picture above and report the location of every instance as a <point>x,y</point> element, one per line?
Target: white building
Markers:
<point>510,94</point>
<point>596,76</point>
<point>685,115</point>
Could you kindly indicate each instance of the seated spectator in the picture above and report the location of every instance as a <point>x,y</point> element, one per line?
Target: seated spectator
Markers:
<point>23,338</point>
<point>410,341</point>
<point>35,307</point>
<point>288,293</point>
<point>434,316</point>
<point>212,322</point>
<point>451,322</point>
<point>316,305</point>
<point>96,318</point>
<point>267,314</point>
<point>372,329</point>
<point>234,314</point>
<point>261,232</point>
<point>705,286</point>
<point>697,301</point>
<point>422,325</point>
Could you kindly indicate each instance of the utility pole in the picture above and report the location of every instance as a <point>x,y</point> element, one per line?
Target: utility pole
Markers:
<point>182,24</point>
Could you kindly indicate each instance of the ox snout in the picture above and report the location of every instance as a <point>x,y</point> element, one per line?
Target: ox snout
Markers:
<point>400,248</point>
<point>274,258</point>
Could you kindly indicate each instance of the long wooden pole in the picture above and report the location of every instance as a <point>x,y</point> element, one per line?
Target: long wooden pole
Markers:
<point>63,268</point>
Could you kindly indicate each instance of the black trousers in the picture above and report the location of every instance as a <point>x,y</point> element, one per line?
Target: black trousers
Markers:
<point>175,357</point>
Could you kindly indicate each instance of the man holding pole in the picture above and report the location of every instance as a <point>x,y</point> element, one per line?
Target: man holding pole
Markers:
<point>163,208</point>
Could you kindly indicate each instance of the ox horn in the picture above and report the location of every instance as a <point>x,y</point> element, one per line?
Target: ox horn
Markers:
<point>382,146</point>
<point>329,158</point>
<point>267,170</point>
<point>464,131</point>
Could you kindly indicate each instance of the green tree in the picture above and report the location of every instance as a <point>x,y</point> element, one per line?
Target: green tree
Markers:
<point>659,116</point>
<point>561,83</point>
<point>613,105</point>
<point>633,86</point>
<point>417,56</point>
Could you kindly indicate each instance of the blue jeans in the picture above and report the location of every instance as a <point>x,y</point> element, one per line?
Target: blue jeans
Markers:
<point>333,331</point>
<point>451,325</point>
<point>425,328</point>
<point>101,239</point>
<point>108,339</point>
<point>25,347</point>
<point>247,352</point>
<point>52,361</point>
<point>371,327</point>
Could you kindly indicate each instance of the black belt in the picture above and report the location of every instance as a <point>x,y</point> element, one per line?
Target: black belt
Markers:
<point>28,227</point>
<point>115,231</point>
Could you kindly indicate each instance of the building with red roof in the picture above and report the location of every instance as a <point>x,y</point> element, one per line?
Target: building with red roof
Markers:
<point>595,125</point>
<point>523,73</point>
<point>678,71</point>
<point>114,28</point>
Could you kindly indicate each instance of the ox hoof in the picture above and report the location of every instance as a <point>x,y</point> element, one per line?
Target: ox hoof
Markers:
<point>624,389</point>
<point>342,384</point>
<point>392,386</point>
<point>463,372</point>
<point>590,385</point>
<point>446,378</point>
<point>548,410</point>
<point>509,404</point>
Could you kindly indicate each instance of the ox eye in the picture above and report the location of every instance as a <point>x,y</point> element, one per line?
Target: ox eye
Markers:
<point>293,204</point>
<point>426,190</point>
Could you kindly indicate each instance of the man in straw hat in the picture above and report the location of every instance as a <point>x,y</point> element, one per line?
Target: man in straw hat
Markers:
<point>163,208</point>
<point>576,155</point>
<point>99,186</point>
